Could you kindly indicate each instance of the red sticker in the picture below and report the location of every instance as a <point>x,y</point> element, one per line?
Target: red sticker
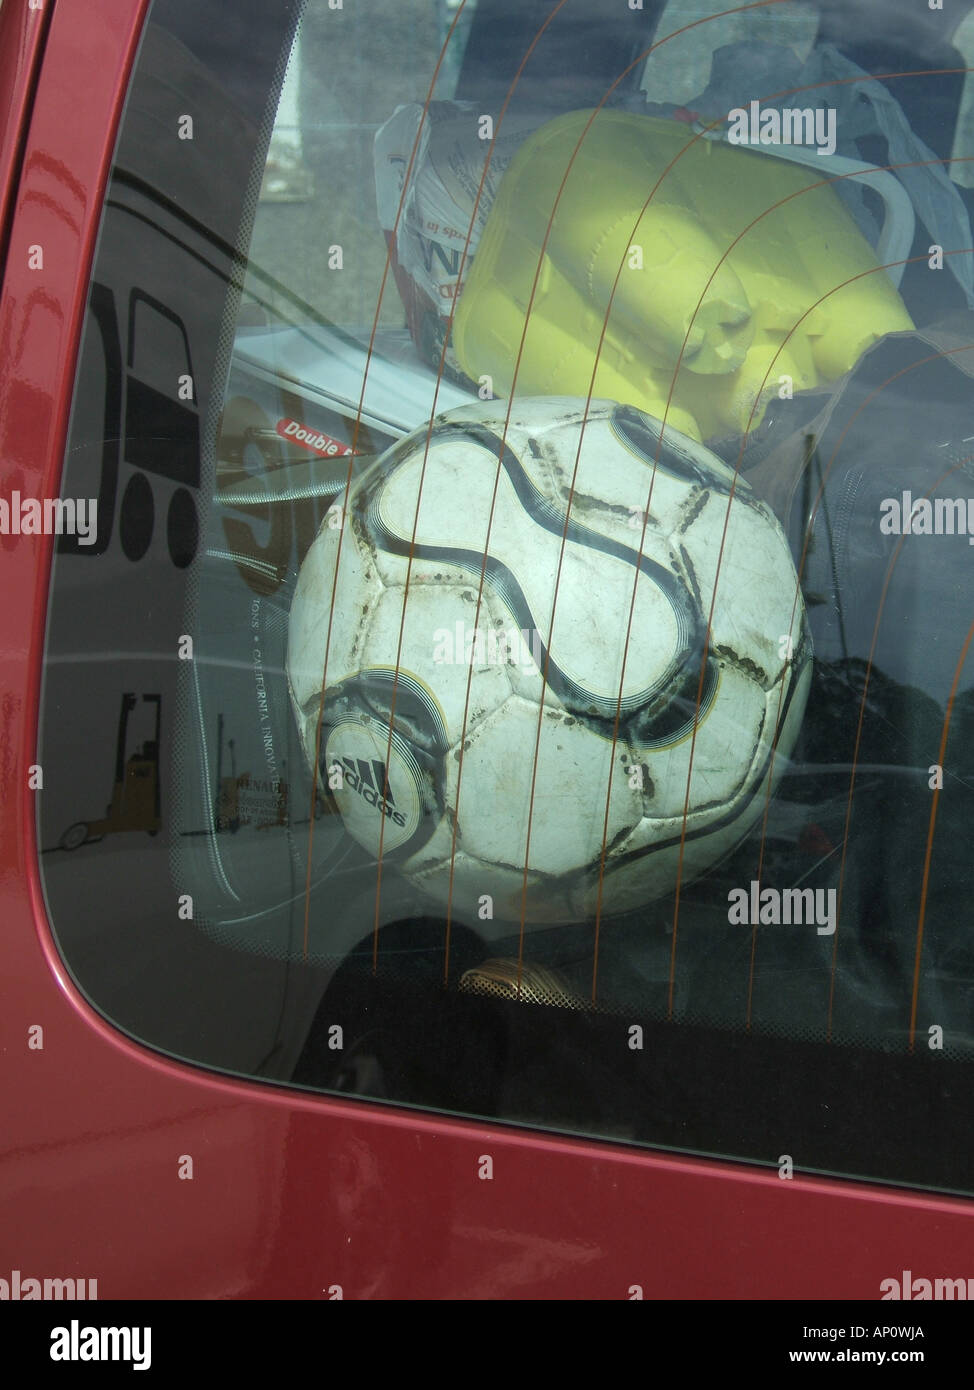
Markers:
<point>321,444</point>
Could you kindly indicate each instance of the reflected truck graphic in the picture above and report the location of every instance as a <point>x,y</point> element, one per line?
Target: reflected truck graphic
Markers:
<point>244,799</point>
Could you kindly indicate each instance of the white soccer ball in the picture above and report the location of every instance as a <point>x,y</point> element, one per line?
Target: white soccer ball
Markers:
<point>507,752</point>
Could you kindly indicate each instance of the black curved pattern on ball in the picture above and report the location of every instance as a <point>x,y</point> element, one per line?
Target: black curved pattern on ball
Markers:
<point>400,702</point>
<point>598,712</point>
<point>670,454</point>
<point>802,658</point>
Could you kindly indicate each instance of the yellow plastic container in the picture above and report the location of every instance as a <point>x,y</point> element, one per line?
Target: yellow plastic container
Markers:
<point>688,263</point>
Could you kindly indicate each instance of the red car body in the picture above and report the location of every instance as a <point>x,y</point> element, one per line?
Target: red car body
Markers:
<point>296,1196</point>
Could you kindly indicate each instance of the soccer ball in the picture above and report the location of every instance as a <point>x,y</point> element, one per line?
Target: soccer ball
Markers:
<point>513,648</point>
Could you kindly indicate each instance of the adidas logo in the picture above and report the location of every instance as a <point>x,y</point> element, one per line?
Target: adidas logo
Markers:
<point>370,780</point>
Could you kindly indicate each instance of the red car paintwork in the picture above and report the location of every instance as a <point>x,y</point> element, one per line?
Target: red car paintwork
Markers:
<point>294,1194</point>
<point>22,31</point>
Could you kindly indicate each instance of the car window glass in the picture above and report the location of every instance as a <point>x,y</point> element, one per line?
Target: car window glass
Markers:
<point>521,667</point>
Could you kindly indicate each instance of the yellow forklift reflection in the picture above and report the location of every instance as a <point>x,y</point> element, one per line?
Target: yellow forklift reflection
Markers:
<point>135,803</point>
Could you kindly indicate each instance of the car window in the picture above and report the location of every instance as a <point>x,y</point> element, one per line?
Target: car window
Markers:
<point>519,667</point>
